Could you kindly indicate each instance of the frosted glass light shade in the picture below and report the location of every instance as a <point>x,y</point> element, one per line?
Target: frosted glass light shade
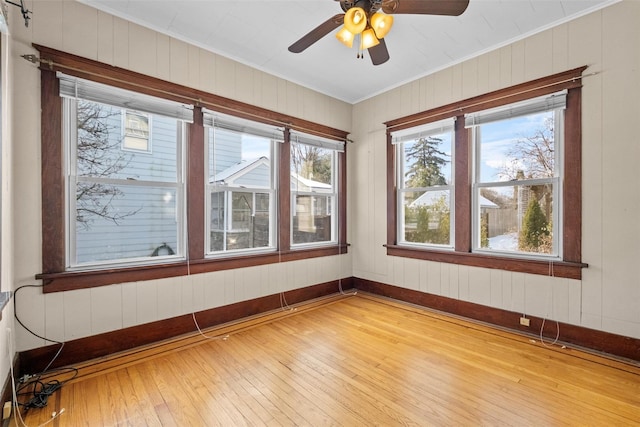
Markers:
<point>345,36</point>
<point>369,38</point>
<point>355,20</point>
<point>381,24</point>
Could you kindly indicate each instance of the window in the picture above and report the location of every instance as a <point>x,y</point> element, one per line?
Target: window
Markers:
<point>124,206</point>
<point>313,189</point>
<point>517,193</point>
<point>514,192</point>
<point>241,186</point>
<point>425,186</point>
<point>184,210</point>
<point>136,131</point>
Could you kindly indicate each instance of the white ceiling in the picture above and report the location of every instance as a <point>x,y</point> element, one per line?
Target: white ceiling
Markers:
<point>258,32</point>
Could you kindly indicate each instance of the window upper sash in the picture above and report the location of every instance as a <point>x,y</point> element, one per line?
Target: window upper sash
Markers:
<point>73,87</point>
<point>316,141</point>
<point>240,125</point>
<point>524,108</point>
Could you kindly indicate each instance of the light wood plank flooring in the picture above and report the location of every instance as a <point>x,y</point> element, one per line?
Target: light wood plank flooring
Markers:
<point>350,361</point>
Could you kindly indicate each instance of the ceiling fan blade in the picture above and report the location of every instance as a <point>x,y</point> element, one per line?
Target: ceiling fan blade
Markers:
<point>379,53</point>
<point>317,33</point>
<point>425,7</point>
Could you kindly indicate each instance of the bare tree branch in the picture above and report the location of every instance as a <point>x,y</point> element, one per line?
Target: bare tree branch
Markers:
<point>98,155</point>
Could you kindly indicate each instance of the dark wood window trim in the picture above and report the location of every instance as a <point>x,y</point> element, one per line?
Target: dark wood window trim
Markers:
<point>54,276</point>
<point>571,265</point>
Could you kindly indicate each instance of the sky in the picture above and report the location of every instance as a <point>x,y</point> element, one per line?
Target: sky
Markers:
<point>254,147</point>
<point>497,138</point>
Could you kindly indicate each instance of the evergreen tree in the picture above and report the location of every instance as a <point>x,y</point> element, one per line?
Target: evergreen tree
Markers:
<point>428,160</point>
<point>535,228</point>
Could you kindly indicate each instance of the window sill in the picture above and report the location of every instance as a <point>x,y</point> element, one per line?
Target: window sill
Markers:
<point>565,269</point>
<point>5,297</point>
<point>67,281</point>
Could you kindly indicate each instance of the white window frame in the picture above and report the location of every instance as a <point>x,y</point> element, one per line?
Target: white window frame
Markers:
<point>73,89</point>
<point>549,103</point>
<point>248,127</point>
<point>335,147</point>
<point>399,138</point>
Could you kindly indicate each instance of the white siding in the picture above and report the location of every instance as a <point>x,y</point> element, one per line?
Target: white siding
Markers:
<point>228,149</point>
<point>149,214</point>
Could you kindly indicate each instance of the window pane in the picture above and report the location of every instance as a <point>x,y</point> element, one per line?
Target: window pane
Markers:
<point>136,131</point>
<point>426,174</point>
<point>311,168</point>
<point>518,148</point>
<point>249,224</point>
<point>100,151</point>
<point>312,219</point>
<point>118,222</point>
<point>237,159</point>
<point>427,217</point>
<point>427,161</point>
<point>517,218</point>
<point>313,194</point>
<point>241,187</point>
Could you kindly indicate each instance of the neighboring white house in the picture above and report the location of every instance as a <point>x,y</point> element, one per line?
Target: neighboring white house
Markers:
<point>429,198</point>
<point>132,179</point>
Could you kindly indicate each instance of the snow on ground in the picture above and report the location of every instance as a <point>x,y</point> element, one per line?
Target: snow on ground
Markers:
<point>505,242</point>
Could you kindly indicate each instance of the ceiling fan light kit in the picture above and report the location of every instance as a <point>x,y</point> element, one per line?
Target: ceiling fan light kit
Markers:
<point>370,28</point>
<point>362,17</point>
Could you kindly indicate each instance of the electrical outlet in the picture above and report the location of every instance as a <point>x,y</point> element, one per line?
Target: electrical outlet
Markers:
<point>6,410</point>
<point>524,321</point>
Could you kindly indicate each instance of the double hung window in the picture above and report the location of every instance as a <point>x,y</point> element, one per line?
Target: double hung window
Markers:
<point>241,183</point>
<point>142,181</point>
<point>314,189</point>
<point>506,180</point>
<point>517,177</point>
<point>425,185</point>
<point>125,206</point>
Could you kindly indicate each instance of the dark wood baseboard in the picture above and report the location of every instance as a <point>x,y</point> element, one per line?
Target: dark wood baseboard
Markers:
<point>599,341</point>
<point>83,349</point>
<point>95,346</point>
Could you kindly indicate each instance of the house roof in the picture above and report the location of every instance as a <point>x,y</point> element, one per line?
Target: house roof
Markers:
<point>235,171</point>
<point>243,167</point>
<point>311,184</point>
<point>431,197</point>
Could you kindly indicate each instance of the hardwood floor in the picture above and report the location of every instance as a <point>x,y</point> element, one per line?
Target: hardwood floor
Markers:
<point>350,361</point>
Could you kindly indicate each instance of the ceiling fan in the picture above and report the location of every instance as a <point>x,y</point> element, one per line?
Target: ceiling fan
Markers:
<point>363,19</point>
